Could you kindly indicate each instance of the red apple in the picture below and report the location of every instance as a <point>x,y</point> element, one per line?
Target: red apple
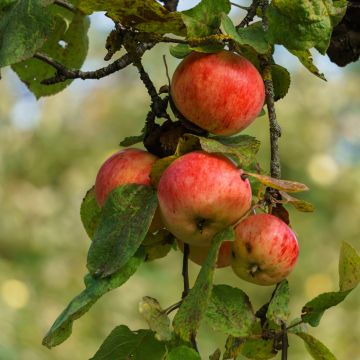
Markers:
<point>222,93</point>
<point>265,249</point>
<point>128,166</point>
<point>198,254</point>
<point>200,194</point>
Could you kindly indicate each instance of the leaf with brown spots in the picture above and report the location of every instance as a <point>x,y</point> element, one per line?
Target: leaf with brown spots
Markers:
<point>298,204</point>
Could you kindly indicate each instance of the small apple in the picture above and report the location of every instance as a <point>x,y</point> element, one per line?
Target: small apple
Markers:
<point>200,194</point>
<point>128,166</point>
<point>198,254</point>
<point>222,92</point>
<point>265,249</point>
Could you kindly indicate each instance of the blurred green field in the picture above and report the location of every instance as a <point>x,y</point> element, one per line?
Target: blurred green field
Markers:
<point>49,155</point>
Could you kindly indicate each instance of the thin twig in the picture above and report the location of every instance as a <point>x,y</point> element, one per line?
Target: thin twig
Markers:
<point>284,343</point>
<point>166,70</point>
<point>250,15</point>
<point>295,324</point>
<point>173,307</point>
<point>247,8</point>
<point>65,5</point>
<point>63,73</point>
<point>185,270</point>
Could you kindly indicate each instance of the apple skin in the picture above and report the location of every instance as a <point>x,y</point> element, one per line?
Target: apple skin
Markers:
<point>200,194</point>
<point>198,254</point>
<point>265,249</point>
<point>222,93</point>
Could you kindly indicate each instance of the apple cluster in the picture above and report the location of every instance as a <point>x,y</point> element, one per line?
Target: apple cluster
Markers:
<point>203,193</point>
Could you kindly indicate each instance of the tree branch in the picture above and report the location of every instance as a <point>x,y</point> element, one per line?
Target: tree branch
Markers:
<point>251,12</point>
<point>284,343</point>
<point>185,270</point>
<point>65,5</point>
<point>63,73</point>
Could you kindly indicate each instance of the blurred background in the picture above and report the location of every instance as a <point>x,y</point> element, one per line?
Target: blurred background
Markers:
<point>50,151</point>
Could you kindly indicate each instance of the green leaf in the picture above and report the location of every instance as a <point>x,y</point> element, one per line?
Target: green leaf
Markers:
<point>25,25</point>
<point>95,288</point>
<point>90,212</point>
<point>258,349</point>
<point>158,245</point>
<point>182,353</point>
<point>349,267</point>
<point>306,59</point>
<point>302,24</point>
<point>241,149</point>
<point>67,45</point>
<point>204,19</point>
<point>192,310</point>
<point>313,310</point>
<point>155,316</point>
<point>298,204</point>
<point>159,167</point>
<point>143,15</point>
<point>132,140</point>
<point>124,222</point>
<point>124,344</point>
<point>278,310</point>
<point>284,185</point>
<point>180,50</point>
<point>233,347</point>
<point>281,81</point>
<point>253,35</point>
<point>230,311</point>
<point>316,349</point>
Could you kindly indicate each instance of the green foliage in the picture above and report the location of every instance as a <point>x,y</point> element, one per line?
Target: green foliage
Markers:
<point>124,222</point>
<point>252,35</point>
<point>241,149</point>
<point>90,212</point>
<point>24,27</point>
<point>193,308</point>
<point>147,16</point>
<point>301,25</point>
<point>229,311</point>
<point>180,50</point>
<point>155,316</point>
<point>124,344</point>
<point>349,274</point>
<point>159,167</point>
<point>316,348</point>
<point>95,288</point>
<point>158,245</point>
<point>183,352</point>
<point>281,81</point>
<point>349,267</point>
<point>300,205</point>
<point>259,349</point>
<point>278,310</point>
<point>71,54</point>
<point>204,19</point>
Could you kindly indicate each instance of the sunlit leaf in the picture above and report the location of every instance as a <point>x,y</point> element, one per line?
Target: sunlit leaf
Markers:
<point>306,59</point>
<point>155,316</point>
<point>284,185</point>
<point>144,15</point>
<point>316,349</point>
<point>349,267</point>
<point>298,204</point>
<point>124,222</point>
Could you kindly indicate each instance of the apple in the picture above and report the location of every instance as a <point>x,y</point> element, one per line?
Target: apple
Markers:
<point>200,194</point>
<point>265,249</point>
<point>128,166</point>
<point>222,92</point>
<point>198,254</point>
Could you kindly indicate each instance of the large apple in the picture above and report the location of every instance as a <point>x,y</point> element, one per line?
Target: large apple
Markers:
<point>200,194</point>
<point>265,249</point>
<point>128,166</point>
<point>198,254</point>
<point>222,93</point>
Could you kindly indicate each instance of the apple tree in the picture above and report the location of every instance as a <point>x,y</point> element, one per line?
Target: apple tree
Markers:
<point>199,186</point>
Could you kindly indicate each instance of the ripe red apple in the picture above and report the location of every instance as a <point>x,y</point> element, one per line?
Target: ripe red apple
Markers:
<point>222,93</point>
<point>128,166</point>
<point>200,194</point>
<point>198,254</point>
<point>265,249</point>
